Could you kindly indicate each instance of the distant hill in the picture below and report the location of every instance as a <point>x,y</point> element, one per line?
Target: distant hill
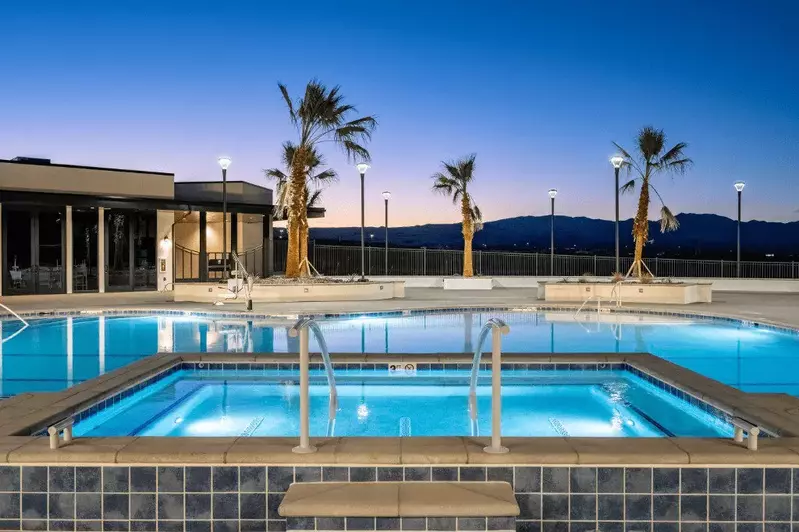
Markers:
<point>705,235</point>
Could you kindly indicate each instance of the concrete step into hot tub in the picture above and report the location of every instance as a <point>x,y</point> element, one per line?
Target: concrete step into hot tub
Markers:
<point>440,506</point>
<point>468,283</point>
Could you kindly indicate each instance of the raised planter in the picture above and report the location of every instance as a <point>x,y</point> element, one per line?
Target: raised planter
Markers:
<point>468,283</point>
<point>661,293</point>
<point>285,293</point>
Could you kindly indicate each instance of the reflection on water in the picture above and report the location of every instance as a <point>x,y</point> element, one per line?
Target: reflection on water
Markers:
<point>55,353</point>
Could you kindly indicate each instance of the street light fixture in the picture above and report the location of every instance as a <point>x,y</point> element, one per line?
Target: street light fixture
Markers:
<point>362,168</point>
<point>739,187</point>
<point>224,162</point>
<point>386,197</point>
<point>552,193</point>
<point>617,161</point>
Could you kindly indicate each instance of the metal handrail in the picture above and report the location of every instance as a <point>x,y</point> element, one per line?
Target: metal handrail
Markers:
<point>25,324</point>
<point>617,299</point>
<point>493,323</point>
<point>309,323</point>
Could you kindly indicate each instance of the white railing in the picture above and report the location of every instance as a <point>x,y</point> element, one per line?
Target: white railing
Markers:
<point>301,329</point>
<point>497,328</point>
<point>25,324</point>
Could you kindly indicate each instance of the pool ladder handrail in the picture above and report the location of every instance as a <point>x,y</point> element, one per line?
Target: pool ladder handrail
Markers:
<point>615,297</point>
<point>497,327</point>
<point>25,324</point>
<point>300,328</point>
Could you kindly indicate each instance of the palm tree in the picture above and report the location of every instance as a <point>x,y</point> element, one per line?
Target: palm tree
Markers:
<point>453,182</point>
<point>310,199</point>
<point>652,159</point>
<point>319,116</point>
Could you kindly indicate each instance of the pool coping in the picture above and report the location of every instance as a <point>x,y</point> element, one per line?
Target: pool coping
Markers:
<point>112,311</point>
<point>20,414</point>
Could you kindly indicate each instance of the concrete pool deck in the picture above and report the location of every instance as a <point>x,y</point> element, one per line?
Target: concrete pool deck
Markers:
<point>781,309</point>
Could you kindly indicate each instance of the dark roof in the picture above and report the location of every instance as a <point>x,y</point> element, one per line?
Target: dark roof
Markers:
<point>33,161</point>
<point>32,199</point>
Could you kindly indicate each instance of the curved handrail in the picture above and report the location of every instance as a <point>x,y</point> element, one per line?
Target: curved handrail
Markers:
<point>493,323</point>
<point>311,324</point>
<point>25,324</point>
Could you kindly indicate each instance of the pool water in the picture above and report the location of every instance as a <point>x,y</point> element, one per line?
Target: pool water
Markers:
<point>534,403</point>
<point>53,354</point>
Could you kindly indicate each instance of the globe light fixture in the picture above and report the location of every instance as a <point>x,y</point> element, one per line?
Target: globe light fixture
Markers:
<point>553,192</point>
<point>362,168</point>
<point>224,162</point>
<point>386,195</point>
<point>739,186</point>
<point>617,161</point>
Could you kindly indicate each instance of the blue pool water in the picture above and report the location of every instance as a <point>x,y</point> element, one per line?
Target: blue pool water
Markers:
<point>371,403</point>
<point>53,354</point>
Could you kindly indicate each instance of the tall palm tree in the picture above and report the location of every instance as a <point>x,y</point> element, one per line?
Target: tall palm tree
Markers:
<point>283,199</point>
<point>652,160</point>
<point>454,182</point>
<point>319,116</point>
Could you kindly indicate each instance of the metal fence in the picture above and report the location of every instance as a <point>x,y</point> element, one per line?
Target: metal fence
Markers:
<point>346,260</point>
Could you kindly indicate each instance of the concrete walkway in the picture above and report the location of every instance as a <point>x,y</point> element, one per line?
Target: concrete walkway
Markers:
<point>775,308</point>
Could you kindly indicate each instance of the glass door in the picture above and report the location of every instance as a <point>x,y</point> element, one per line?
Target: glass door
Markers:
<point>18,268</point>
<point>119,251</point>
<point>84,250</point>
<point>33,251</point>
<point>50,253</point>
<point>130,250</point>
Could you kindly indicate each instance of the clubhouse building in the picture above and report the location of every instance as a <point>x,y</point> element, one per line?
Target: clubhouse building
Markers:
<point>69,229</point>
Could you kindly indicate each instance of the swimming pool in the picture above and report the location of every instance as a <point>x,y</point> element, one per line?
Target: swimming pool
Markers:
<point>265,402</point>
<point>54,353</point>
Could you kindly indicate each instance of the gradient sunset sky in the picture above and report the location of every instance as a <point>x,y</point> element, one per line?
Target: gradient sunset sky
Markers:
<point>539,91</point>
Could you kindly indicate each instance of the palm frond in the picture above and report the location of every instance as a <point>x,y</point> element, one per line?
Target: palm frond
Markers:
<point>629,186</point>
<point>289,149</point>
<point>285,92</point>
<point>629,162</point>
<point>650,143</point>
<point>314,197</point>
<point>668,222</point>
<point>327,176</point>
<point>275,174</point>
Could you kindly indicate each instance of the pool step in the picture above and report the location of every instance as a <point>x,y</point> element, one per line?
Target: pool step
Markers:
<point>388,505</point>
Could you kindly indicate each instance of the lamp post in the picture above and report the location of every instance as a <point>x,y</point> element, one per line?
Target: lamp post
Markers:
<point>386,197</point>
<point>362,168</point>
<point>552,193</point>
<point>617,161</point>
<point>224,162</point>
<point>739,187</point>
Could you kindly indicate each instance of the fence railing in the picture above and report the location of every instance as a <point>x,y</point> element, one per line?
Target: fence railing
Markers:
<point>346,260</point>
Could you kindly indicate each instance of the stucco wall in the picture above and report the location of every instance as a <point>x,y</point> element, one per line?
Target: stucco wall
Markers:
<point>72,180</point>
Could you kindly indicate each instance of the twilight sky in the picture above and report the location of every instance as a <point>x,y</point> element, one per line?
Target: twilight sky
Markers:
<point>538,91</point>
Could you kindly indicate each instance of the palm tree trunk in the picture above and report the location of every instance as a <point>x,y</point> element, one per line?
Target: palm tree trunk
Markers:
<point>641,227</point>
<point>305,266</point>
<point>468,234</point>
<point>296,212</point>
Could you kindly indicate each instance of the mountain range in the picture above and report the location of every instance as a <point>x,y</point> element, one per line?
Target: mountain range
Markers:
<point>705,235</point>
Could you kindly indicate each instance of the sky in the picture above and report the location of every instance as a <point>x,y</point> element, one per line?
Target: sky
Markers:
<point>538,90</point>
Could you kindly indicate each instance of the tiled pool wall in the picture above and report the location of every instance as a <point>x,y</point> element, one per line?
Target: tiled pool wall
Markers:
<point>552,499</point>
<point>241,315</point>
<point>422,369</point>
